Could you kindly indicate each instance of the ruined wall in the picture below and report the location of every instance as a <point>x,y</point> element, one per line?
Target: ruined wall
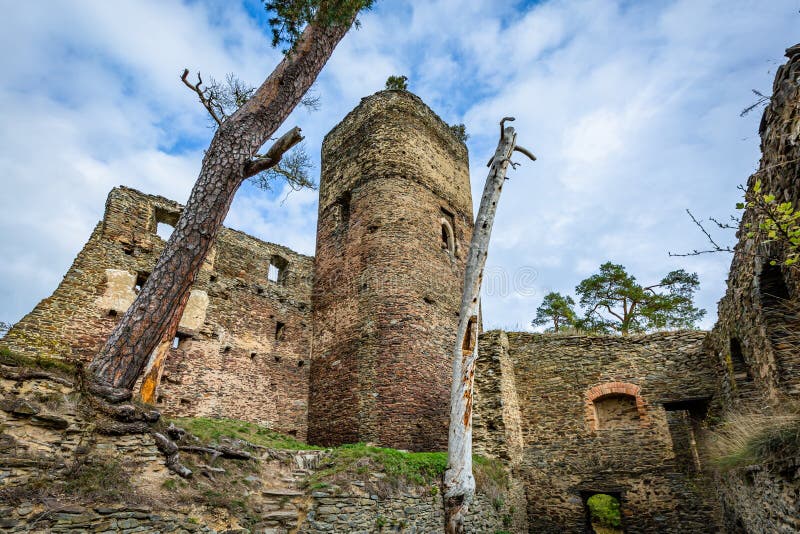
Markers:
<point>242,346</point>
<point>395,221</point>
<point>759,311</point>
<point>756,336</point>
<point>602,414</point>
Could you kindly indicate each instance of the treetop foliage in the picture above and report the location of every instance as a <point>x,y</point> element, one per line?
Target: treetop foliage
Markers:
<point>399,83</point>
<point>290,17</point>
<point>460,131</point>
<point>614,302</point>
<point>557,309</point>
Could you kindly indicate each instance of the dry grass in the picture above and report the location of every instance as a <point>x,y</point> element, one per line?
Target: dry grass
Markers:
<point>755,437</point>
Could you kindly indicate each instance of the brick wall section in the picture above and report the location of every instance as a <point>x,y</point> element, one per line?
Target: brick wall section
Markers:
<point>565,457</point>
<point>386,290</point>
<point>229,362</point>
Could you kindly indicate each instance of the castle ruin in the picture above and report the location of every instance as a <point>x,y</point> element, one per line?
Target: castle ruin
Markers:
<point>353,344</point>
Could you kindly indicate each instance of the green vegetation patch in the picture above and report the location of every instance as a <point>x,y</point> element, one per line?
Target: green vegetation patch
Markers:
<point>740,446</point>
<point>356,459</point>
<point>208,429</point>
<point>9,357</point>
<point>604,510</point>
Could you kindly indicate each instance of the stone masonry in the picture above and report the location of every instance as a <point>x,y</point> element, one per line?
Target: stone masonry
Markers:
<point>580,415</point>
<point>755,341</point>
<point>354,343</point>
<point>243,342</point>
<point>395,221</point>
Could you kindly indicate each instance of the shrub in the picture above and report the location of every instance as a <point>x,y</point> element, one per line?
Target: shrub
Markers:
<point>397,83</point>
<point>604,510</point>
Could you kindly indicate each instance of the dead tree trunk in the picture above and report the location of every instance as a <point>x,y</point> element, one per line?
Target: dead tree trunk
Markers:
<point>228,161</point>
<point>459,482</point>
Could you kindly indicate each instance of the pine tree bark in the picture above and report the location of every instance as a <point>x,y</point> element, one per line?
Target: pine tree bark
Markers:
<point>228,161</point>
<point>459,482</point>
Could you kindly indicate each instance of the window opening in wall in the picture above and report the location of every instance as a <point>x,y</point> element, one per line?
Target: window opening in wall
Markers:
<point>685,419</point>
<point>615,411</point>
<point>280,331</point>
<point>253,355</point>
<point>141,278</point>
<point>277,269</point>
<point>739,367</point>
<point>603,512</point>
<point>179,341</point>
<point>164,231</point>
<point>772,285</point>
<point>342,211</point>
<point>300,363</point>
<point>112,313</point>
<point>468,345</point>
<point>782,317</point>
<point>448,232</point>
<point>165,222</point>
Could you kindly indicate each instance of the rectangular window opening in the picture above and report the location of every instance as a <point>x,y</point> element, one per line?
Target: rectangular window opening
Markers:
<point>141,278</point>
<point>277,269</point>
<point>468,345</point>
<point>165,221</point>
<point>179,341</point>
<point>280,331</point>
<point>342,211</point>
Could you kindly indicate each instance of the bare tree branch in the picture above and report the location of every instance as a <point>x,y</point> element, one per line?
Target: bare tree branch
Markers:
<point>201,95</point>
<point>715,246</point>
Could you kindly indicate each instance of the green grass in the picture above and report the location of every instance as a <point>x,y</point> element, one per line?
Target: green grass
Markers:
<point>360,459</point>
<point>745,439</point>
<point>9,357</point>
<point>208,429</point>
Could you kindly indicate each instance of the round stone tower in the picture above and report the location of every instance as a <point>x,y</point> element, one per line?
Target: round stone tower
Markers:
<point>395,221</point>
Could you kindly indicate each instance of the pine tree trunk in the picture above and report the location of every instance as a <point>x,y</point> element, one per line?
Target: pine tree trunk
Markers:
<point>459,482</point>
<point>158,308</point>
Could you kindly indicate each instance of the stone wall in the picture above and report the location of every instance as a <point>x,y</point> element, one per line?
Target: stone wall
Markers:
<point>562,452</point>
<point>762,498</point>
<point>756,336</point>
<point>242,349</point>
<point>757,315</point>
<point>48,430</point>
<point>395,221</point>
<point>411,511</point>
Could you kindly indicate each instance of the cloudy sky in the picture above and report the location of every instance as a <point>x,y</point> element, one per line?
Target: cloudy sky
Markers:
<point>632,108</point>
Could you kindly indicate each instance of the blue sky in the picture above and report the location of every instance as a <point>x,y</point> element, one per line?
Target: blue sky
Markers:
<point>631,107</point>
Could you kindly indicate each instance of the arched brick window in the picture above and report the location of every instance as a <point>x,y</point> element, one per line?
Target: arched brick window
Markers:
<point>615,405</point>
